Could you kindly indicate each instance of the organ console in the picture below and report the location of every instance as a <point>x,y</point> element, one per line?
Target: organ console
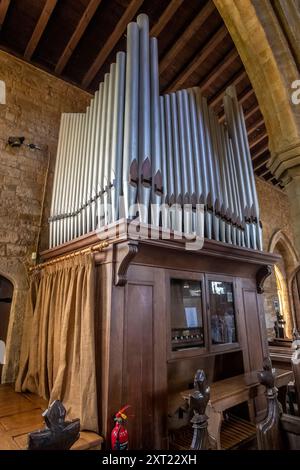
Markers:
<point>137,154</point>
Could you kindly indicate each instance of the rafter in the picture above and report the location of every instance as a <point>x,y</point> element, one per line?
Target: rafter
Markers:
<point>193,27</point>
<point>246,94</point>
<point>263,163</point>
<point>113,39</point>
<point>264,173</point>
<point>39,28</point>
<point>251,111</point>
<point>258,139</point>
<point>198,60</point>
<point>77,35</point>
<point>4,5</point>
<point>251,129</point>
<point>218,69</point>
<point>166,16</point>
<point>237,78</point>
<point>262,150</point>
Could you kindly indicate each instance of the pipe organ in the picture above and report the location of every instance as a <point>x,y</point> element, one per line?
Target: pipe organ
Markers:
<point>137,154</point>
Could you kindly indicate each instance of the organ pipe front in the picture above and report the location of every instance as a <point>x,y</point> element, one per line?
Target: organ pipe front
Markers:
<point>139,155</point>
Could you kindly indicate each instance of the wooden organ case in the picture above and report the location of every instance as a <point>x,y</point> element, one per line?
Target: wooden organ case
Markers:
<point>162,313</point>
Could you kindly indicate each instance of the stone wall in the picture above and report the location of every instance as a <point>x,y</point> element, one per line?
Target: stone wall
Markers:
<point>34,103</point>
<point>275,216</point>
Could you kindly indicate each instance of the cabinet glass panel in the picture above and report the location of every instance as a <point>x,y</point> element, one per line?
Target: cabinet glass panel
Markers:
<point>186,314</point>
<point>222,313</point>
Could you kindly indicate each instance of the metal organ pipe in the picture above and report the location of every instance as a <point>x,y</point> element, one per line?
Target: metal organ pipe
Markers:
<point>212,219</point>
<point>108,144</point>
<point>170,191</point>
<point>131,128</point>
<point>74,170</point>
<point>57,172</point>
<point>91,162</point>
<point>144,118</point>
<point>165,164</point>
<point>58,204</point>
<point>70,180</point>
<point>76,205</point>
<point>177,214</point>
<point>165,153</point>
<point>86,166</point>
<point>196,152</point>
<point>117,135</point>
<point>157,188</point>
<point>66,180</point>
<point>96,159</point>
<point>101,155</point>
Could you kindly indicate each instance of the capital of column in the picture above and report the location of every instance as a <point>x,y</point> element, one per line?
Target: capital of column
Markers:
<point>285,165</point>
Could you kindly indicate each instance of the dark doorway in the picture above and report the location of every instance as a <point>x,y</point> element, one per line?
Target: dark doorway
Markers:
<point>6,293</point>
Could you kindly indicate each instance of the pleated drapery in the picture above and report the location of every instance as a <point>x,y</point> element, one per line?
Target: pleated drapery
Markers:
<point>58,346</point>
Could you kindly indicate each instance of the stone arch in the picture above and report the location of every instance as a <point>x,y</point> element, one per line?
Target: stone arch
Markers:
<point>281,238</point>
<point>14,270</point>
<point>281,243</point>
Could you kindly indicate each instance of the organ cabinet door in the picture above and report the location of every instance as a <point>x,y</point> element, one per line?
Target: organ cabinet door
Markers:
<point>187,319</point>
<point>204,315</point>
<point>222,312</point>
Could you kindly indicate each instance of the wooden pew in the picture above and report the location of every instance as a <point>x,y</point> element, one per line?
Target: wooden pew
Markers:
<point>208,429</point>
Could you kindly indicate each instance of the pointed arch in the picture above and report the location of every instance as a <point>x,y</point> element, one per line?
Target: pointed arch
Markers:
<point>14,270</point>
<point>280,238</point>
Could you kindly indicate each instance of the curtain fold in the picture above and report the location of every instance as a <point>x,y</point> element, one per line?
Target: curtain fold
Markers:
<point>58,347</point>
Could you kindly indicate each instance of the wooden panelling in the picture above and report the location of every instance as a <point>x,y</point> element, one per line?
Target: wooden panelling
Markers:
<point>253,329</point>
<point>134,362</point>
<point>138,364</point>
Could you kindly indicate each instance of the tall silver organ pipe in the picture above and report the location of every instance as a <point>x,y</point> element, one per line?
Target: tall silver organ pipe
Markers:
<point>140,155</point>
<point>117,136</point>
<point>144,118</point>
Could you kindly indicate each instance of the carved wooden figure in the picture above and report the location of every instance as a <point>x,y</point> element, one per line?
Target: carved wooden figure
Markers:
<point>268,431</point>
<point>198,403</point>
<point>58,433</point>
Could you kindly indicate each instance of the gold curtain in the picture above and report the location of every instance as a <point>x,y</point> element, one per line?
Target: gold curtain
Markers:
<point>58,347</point>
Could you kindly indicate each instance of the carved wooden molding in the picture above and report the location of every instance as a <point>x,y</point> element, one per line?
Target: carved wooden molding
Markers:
<point>261,276</point>
<point>125,252</point>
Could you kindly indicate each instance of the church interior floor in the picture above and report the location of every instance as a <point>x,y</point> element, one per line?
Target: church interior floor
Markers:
<point>21,413</point>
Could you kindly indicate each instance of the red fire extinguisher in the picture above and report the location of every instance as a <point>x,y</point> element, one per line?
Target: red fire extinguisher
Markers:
<point>119,434</point>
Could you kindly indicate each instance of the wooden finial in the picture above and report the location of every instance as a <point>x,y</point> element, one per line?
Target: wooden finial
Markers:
<point>198,403</point>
